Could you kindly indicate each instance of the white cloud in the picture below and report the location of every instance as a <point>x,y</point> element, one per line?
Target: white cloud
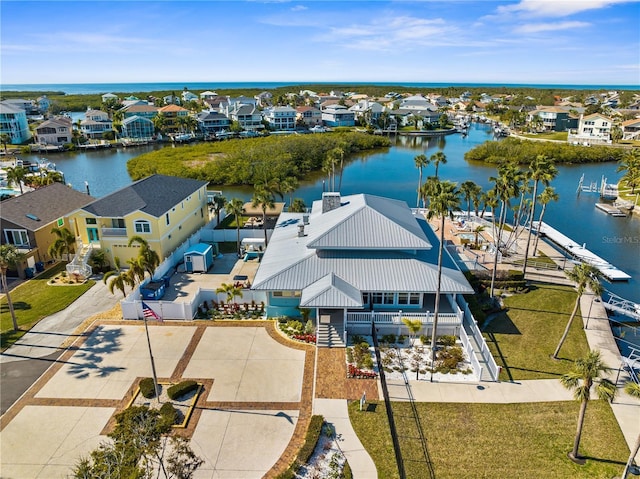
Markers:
<point>298,8</point>
<point>550,8</point>
<point>549,27</point>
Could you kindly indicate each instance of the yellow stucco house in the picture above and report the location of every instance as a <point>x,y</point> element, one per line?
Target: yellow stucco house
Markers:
<point>164,210</point>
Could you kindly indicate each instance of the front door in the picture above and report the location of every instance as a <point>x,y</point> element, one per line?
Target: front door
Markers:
<point>92,234</point>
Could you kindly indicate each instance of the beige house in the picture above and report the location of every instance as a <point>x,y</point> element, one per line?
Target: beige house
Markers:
<point>57,131</point>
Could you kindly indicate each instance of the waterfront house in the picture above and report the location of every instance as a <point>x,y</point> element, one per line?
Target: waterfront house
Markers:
<point>13,122</point>
<point>211,122</point>
<point>416,102</point>
<point>247,115</point>
<point>338,115</point>
<point>164,210</point>
<point>554,118</point>
<point>56,131</point>
<point>30,107</point>
<point>355,259</point>
<point>631,129</point>
<point>171,113</point>
<point>280,118</point>
<point>43,104</point>
<point>137,127</point>
<point>595,128</point>
<point>309,116</point>
<point>140,110</point>
<point>95,124</point>
<point>367,112</point>
<point>26,220</point>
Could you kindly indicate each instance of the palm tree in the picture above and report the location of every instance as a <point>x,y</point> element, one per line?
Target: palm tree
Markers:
<point>585,373</point>
<point>64,243</point>
<point>16,176</point>
<point>444,201</point>
<point>264,199</point>
<point>633,390</point>
<point>219,202</point>
<point>9,257</point>
<point>230,290</point>
<point>630,164</point>
<point>288,186</point>
<point>584,275</point>
<point>470,192</point>
<point>478,229</point>
<point>542,170</point>
<point>148,257</point>
<point>119,279</point>
<point>235,207</point>
<point>437,159</point>
<point>136,269</point>
<point>421,161</point>
<point>297,206</point>
<point>4,139</point>
<point>548,194</point>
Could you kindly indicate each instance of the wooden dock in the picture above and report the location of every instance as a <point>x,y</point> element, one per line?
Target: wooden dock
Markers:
<point>610,210</point>
<point>580,252</point>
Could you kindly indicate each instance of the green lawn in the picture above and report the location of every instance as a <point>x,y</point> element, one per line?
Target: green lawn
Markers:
<point>552,135</point>
<point>34,300</point>
<point>523,338</point>
<point>499,441</point>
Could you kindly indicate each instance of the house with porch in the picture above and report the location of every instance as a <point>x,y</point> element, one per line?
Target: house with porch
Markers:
<point>137,127</point>
<point>338,115</point>
<point>280,118</point>
<point>95,124</point>
<point>56,131</point>
<point>356,261</point>
<point>13,122</point>
<point>594,128</point>
<point>164,210</point>
<point>26,221</point>
<point>631,129</point>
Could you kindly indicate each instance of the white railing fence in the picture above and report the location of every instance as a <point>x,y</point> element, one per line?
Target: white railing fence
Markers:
<point>395,317</point>
<point>468,347</point>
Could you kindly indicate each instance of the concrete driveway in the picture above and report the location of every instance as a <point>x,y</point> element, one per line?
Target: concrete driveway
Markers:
<point>251,403</point>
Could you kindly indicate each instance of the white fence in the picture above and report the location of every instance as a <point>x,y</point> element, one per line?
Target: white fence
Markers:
<point>468,347</point>
<point>395,317</point>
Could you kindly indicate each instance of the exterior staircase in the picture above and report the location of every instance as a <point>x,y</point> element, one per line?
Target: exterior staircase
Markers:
<point>329,332</point>
<point>79,264</point>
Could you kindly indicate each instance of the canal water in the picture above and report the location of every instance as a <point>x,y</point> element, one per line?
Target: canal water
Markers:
<point>391,172</point>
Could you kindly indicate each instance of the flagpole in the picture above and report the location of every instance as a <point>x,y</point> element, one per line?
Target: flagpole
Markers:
<point>153,366</point>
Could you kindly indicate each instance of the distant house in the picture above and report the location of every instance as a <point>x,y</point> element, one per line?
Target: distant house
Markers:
<point>27,220</point>
<point>416,102</point>
<point>247,115</point>
<point>355,260</point>
<point>555,118</point>
<point>137,127</point>
<point>593,128</point>
<point>171,100</point>
<point>309,115</point>
<point>144,111</point>
<point>367,112</point>
<point>95,124</point>
<point>164,210</point>
<point>13,122</point>
<point>338,115</point>
<point>208,95</point>
<point>56,131</point>
<point>264,98</point>
<point>187,96</point>
<point>109,96</point>
<point>29,106</point>
<point>211,122</point>
<point>280,118</point>
<point>171,114</point>
<point>631,129</point>
<point>43,104</point>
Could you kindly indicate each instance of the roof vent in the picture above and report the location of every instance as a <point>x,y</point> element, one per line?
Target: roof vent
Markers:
<point>305,219</point>
<point>300,231</point>
<point>32,217</point>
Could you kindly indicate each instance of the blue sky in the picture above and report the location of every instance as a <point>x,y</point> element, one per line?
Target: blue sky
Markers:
<point>527,41</point>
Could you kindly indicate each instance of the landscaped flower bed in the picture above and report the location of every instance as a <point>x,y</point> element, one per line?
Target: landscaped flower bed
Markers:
<point>360,358</point>
<point>354,372</point>
<point>294,329</point>
<point>307,338</point>
<point>221,310</point>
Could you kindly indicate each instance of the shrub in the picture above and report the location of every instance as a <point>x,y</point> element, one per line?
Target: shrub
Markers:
<point>447,340</point>
<point>181,389</point>
<point>389,338</point>
<point>309,328</point>
<point>313,433</point>
<point>401,339</point>
<point>147,388</point>
<point>357,339</point>
<point>169,414</point>
<point>294,325</point>
<point>425,339</point>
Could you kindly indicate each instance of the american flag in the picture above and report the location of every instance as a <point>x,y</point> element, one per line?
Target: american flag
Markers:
<point>149,313</point>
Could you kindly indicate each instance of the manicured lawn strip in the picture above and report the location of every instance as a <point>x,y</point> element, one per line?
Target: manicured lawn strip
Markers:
<point>34,300</point>
<point>555,135</point>
<point>523,338</point>
<point>507,440</point>
<point>372,428</point>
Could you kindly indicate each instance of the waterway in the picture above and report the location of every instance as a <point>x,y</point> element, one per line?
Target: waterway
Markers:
<point>391,172</point>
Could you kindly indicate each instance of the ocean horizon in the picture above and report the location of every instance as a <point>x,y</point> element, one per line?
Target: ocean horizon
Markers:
<point>102,88</point>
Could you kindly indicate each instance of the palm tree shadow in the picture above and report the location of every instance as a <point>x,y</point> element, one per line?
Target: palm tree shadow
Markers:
<point>18,306</point>
<point>101,343</point>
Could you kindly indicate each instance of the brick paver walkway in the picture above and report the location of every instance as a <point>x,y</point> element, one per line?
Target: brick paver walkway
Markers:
<point>332,381</point>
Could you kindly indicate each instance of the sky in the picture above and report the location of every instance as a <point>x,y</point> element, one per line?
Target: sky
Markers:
<point>592,42</point>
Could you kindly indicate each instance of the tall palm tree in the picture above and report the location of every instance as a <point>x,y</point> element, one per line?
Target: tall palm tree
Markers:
<point>235,207</point>
<point>548,195</point>
<point>9,257</point>
<point>119,279</point>
<point>230,290</point>
<point>584,275</point>
<point>470,191</point>
<point>219,202</point>
<point>585,374</point>
<point>4,139</point>
<point>148,257</point>
<point>64,243</point>
<point>444,200</point>
<point>541,170</point>
<point>630,164</point>
<point>264,199</point>
<point>633,390</point>
<point>16,176</point>
<point>421,161</point>
<point>437,159</point>
<point>288,186</point>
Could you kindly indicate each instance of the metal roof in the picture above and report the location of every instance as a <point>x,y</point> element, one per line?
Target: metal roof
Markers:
<point>331,291</point>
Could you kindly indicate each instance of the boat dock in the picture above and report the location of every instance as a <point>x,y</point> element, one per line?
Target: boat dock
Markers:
<point>611,210</point>
<point>617,304</point>
<point>580,252</point>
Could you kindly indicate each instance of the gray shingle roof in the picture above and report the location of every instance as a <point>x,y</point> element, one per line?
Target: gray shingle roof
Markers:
<point>47,204</point>
<point>154,195</point>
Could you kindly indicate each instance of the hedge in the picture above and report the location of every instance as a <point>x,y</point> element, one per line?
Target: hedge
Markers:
<point>181,389</point>
<point>147,388</point>
<point>305,452</point>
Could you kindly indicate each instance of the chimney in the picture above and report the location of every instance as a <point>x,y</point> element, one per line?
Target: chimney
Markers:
<point>330,201</point>
<point>300,231</point>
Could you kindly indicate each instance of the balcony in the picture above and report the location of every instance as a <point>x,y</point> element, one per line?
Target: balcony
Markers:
<point>111,232</point>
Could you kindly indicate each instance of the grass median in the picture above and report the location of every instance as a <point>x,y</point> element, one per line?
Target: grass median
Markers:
<point>34,300</point>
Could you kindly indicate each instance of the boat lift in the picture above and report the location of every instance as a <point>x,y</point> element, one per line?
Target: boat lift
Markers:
<point>620,305</point>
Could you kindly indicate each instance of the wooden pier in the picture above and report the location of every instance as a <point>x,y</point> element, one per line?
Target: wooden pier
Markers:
<point>610,210</point>
<point>580,252</point>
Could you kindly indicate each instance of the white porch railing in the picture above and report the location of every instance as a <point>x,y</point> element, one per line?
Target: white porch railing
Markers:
<point>468,347</point>
<point>395,317</point>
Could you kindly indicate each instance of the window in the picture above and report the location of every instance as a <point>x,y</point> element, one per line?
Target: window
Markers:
<point>142,226</point>
<point>286,294</point>
<point>389,298</point>
<point>403,298</point>
<point>90,221</point>
<point>117,223</point>
<point>376,298</point>
<point>17,237</point>
<point>414,298</point>
<point>166,217</point>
